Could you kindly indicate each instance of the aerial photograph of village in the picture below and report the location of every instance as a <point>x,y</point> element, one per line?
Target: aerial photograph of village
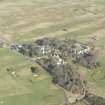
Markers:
<point>52,52</point>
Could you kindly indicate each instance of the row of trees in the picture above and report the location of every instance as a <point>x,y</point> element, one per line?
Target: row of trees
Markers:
<point>65,75</point>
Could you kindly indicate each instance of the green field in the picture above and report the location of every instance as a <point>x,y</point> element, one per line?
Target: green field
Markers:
<point>19,90</point>
<point>27,20</point>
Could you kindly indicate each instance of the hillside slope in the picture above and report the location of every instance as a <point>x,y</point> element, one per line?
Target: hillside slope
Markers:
<point>25,21</point>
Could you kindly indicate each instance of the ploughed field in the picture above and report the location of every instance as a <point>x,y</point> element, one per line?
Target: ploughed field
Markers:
<point>25,21</point>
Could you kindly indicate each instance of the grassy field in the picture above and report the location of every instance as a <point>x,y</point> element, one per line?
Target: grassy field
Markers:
<point>27,20</point>
<point>25,89</point>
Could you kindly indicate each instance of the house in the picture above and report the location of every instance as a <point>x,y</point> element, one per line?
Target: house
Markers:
<point>79,48</point>
<point>58,60</point>
<point>84,49</point>
<point>45,49</point>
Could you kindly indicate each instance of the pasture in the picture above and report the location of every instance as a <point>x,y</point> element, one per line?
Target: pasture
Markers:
<point>25,89</point>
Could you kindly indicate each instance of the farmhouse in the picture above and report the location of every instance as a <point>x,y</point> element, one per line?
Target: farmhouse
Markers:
<point>79,48</point>
<point>45,49</point>
<point>58,60</point>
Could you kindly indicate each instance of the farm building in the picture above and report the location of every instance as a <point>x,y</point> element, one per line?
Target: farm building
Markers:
<point>78,49</point>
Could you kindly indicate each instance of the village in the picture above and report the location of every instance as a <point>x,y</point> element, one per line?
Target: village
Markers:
<point>60,52</point>
<point>60,59</point>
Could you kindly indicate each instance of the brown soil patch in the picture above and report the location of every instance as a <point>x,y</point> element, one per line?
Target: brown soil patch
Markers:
<point>24,72</point>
